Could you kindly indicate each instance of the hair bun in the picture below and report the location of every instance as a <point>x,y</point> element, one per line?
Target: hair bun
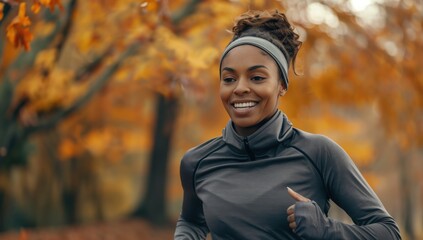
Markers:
<point>272,26</point>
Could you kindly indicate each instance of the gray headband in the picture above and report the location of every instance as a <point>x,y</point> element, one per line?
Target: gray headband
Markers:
<point>264,45</point>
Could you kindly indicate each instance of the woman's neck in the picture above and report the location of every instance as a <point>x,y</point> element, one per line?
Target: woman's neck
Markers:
<point>247,131</point>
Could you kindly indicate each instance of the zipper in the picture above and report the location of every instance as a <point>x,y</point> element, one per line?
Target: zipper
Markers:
<point>248,150</point>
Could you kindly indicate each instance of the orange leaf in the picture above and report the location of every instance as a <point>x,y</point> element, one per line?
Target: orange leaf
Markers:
<point>150,5</point>
<point>18,30</point>
<point>35,8</point>
<point>67,149</point>
<point>51,4</point>
<point>1,10</point>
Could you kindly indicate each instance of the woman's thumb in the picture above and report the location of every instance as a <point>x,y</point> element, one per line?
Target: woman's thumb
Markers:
<point>298,197</point>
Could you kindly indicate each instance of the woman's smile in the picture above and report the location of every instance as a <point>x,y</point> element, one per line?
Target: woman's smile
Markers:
<point>244,105</point>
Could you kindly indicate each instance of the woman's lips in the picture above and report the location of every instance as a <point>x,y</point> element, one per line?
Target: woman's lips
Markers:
<point>241,105</point>
<point>243,109</point>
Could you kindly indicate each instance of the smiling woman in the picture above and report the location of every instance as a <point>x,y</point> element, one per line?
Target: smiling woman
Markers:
<point>263,178</point>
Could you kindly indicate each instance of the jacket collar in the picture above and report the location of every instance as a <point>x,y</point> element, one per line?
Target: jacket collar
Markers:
<point>275,131</point>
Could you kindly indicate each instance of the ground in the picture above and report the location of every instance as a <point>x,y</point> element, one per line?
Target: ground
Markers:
<point>122,230</point>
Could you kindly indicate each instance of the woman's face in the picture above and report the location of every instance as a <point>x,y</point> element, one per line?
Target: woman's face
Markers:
<point>249,87</point>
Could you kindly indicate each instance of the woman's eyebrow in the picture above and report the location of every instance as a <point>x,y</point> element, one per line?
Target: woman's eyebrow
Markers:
<point>252,68</point>
<point>228,69</point>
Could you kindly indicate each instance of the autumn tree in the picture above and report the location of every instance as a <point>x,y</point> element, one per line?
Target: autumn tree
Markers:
<point>47,89</point>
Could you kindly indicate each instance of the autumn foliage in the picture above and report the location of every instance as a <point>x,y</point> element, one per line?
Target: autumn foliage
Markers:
<point>18,31</point>
<point>79,83</point>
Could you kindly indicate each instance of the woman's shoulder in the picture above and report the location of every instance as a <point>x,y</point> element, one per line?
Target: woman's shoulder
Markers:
<point>195,154</point>
<point>313,143</point>
<point>305,137</point>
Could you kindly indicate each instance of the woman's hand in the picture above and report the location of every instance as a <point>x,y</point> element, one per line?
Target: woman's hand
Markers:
<point>306,219</point>
<point>291,209</point>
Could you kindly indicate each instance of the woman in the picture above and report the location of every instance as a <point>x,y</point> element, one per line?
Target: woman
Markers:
<point>263,178</point>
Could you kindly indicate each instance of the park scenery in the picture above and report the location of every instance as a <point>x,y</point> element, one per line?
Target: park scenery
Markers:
<point>100,99</point>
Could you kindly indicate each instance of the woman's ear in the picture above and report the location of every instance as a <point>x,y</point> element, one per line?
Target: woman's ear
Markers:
<point>282,90</point>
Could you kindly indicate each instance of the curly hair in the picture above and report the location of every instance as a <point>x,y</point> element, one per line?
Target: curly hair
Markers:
<point>272,26</point>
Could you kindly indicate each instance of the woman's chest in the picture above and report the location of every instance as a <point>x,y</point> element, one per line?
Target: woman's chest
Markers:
<point>244,194</point>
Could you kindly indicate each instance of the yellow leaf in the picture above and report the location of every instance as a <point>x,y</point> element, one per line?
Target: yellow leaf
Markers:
<point>98,141</point>
<point>42,28</point>
<point>202,58</point>
<point>46,58</point>
<point>134,141</point>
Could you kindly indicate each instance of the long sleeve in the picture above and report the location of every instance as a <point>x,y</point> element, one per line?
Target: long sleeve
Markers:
<point>349,190</point>
<point>191,224</point>
<point>189,231</point>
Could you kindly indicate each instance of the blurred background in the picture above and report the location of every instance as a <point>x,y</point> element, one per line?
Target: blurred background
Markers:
<point>100,99</point>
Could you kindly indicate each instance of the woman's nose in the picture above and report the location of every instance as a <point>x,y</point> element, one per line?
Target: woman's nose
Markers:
<point>242,86</point>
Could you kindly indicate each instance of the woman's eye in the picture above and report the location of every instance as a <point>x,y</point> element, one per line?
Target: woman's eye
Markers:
<point>257,78</point>
<point>228,79</point>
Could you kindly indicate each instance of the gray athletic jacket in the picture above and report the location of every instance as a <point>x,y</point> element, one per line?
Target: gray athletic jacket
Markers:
<point>235,188</point>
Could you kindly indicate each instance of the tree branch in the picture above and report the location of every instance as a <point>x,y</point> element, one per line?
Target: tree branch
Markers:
<point>97,86</point>
<point>187,10</point>
<point>26,59</point>
<point>93,65</point>
<point>67,27</point>
<point>102,79</point>
<point>6,10</point>
<point>8,121</point>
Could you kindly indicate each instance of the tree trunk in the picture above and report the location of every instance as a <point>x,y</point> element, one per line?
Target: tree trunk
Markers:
<point>2,200</point>
<point>153,206</point>
<point>406,186</point>
<point>69,193</point>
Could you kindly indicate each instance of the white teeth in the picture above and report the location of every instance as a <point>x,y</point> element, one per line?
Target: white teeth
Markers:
<point>244,104</point>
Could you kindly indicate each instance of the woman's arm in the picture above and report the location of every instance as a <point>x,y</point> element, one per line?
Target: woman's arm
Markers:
<point>311,223</point>
<point>349,190</point>
<point>191,224</point>
<point>186,230</point>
